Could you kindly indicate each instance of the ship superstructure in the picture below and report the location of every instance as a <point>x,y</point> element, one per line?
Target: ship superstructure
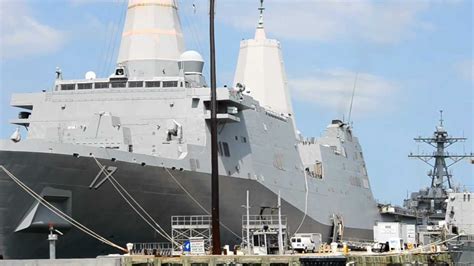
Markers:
<point>430,203</point>
<point>148,126</point>
<point>261,71</point>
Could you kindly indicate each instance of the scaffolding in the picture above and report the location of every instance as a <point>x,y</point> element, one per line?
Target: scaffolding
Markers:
<point>263,233</point>
<point>185,227</point>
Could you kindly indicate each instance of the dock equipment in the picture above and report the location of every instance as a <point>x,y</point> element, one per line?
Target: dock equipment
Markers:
<point>263,232</point>
<point>185,227</point>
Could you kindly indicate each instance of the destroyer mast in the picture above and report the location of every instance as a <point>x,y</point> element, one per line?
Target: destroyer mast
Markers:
<point>431,201</point>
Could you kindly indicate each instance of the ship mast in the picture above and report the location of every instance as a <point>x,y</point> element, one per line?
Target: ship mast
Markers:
<point>216,236</point>
<point>440,140</point>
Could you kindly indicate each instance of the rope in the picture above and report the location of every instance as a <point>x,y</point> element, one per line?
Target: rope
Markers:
<point>116,185</point>
<point>199,204</point>
<point>162,232</point>
<point>305,203</point>
<point>118,33</point>
<point>105,48</point>
<point>59,213</point>
<point>112,39</point>
<point>434,243</point>
<point>192,22</point>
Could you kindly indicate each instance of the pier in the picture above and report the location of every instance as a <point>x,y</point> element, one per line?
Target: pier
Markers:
<point>296,259</point>
<point>353,258</point>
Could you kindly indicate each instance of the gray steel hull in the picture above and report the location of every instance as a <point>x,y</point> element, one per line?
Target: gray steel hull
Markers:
<point>462,250</point>
<point>105,212</point>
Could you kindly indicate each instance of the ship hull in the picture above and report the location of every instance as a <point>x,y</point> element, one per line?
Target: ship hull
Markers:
<point>159,190</point>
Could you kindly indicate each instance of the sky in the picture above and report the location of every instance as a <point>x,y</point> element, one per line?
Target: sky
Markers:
<point>411,59</point>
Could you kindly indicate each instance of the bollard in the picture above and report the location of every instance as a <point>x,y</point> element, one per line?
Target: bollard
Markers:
<point>129,248</point>
<point>345,248</point>
<point>52,238</point>
<point>369,249</point>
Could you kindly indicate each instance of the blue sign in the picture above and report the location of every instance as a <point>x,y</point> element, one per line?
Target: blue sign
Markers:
<point>187,246</point>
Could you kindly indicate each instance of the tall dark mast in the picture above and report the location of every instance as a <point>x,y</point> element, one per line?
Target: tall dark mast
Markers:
<point>431,200</point>
<point>216,235</point>
<point>440,140</point>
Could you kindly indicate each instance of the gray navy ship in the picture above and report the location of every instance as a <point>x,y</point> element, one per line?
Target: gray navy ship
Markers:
<point>148,125</point>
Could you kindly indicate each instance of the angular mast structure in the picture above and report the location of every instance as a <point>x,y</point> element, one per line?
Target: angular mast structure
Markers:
<point>152,39</point>
<point>440,140</point>
<point>439,174</point>
<point>261,70</point>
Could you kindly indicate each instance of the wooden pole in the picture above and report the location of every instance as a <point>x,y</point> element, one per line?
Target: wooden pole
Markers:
<point>216,235</point>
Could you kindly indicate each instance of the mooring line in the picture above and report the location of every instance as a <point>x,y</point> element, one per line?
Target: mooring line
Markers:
<point>59,213</point>
<point>199,204</point>
<point>158,228</point>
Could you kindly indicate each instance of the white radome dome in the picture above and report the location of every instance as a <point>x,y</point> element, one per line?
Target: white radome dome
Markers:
<point>90,75</point>
<point>191,55</point>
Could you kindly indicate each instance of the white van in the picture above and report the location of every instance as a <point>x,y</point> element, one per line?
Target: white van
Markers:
<point>305,242</point>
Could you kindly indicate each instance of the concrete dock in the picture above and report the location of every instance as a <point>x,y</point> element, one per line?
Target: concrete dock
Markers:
<point>354,258</point>
<point>442,258</point>
<point>103,261</point>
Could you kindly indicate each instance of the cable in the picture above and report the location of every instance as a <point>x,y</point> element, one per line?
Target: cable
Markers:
<point>162,233</point>
<point>158,228</point>
<point>105,47</point>
<point>305,203</point>
<point>59,213</point>
<point>116,39</point>
<point>166,236</point>
<point>199,204</point>
<point>139,206</point>
<point>110,42</point>
<point>435,243</point>
<point>194,35</point>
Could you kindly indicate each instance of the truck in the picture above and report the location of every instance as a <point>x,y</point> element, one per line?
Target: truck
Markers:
<point>306,242</point>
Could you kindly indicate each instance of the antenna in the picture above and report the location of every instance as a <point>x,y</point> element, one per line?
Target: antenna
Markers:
<point>441,117</point>
<point>441,141</point>
<point>352,98</point>
<point>260,21</point>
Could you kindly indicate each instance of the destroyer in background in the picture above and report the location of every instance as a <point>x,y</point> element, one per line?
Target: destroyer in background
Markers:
<point>442,212</point>
<point>147,126</point>
<point>430,203</point>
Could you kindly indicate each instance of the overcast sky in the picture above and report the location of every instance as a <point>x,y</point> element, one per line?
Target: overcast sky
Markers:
<point>413,58</point>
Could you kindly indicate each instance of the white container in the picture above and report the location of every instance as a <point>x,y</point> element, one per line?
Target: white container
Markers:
<point>334,247</point>
<point>409,233</point>
<point>384,231</point>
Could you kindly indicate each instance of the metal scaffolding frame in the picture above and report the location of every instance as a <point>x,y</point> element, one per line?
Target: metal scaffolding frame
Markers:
<point>184,227</point>
<point>263,224</point>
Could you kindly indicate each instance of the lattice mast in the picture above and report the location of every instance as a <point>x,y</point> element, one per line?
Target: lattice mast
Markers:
<point>440,140</point>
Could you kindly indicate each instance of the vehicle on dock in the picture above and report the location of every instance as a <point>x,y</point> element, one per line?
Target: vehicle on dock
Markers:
<point>305,242</point>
